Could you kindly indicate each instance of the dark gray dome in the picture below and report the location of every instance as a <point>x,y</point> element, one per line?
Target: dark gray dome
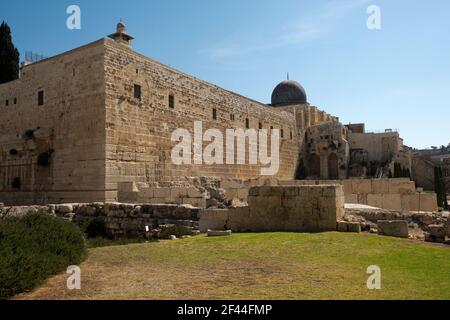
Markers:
<point>288,92</point>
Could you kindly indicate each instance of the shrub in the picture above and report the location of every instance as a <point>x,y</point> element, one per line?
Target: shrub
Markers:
<point>176,230</point>
<point>34,247</point>
<point>96,228</point>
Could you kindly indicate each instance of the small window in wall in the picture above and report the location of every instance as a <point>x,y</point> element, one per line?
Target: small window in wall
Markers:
<point>232,117</point>
<point>15,100</point>
<point>137,91</point>
<point>247,123</point>
<point>282,133</point>
<point>7,103</point>
<point>260,126</point>
<point>73,72</point>
<point>137,71</point>
<point>271,128</point>
<point>171,101</point>
<point>292,136</point>
<point>214,115</point>
<point>16,183</point>
<point>41,98</point>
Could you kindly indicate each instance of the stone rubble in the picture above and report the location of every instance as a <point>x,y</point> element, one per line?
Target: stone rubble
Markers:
<point>424,226</point>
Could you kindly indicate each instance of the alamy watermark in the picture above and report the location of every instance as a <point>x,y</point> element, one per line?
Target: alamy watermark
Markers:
<point>374,281</point>
<point>74,281</point>
<point>374,20</point>
<point>190,151</point>
<point>73,22</point>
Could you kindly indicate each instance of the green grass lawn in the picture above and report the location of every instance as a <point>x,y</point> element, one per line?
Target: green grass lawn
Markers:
<point>260,266</point>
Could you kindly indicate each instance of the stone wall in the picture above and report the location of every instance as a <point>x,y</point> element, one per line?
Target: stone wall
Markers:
<point>292,209</point>
<point>423,170</point>
<point>327,151</point>
<point>381,147</point>
<point>139,145</point>
<point>121,220</point>
<point>395,194</point>
<point>54,152</point>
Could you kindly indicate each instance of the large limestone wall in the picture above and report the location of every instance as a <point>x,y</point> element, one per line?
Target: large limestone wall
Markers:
<point>139,132</point>
<point>71,123</point>
<point>120,220</point>
<point>423,170</point>
<point>292,209</point>
<point>394,194</point>
<point>381,147</point>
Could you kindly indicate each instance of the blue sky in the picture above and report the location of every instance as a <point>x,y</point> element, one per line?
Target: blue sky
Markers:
<point>397,77</point>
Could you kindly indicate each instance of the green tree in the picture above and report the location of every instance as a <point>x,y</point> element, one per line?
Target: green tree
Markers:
<point>439,187</point>
<point>300,173</point>
<point>9,56</point>
<point>390,176</point>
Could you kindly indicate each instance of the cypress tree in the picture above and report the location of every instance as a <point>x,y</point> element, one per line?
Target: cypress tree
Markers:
<point>9,56</point>
<point>301,171</point>
<point>397,170</point>
<point>439,188</point>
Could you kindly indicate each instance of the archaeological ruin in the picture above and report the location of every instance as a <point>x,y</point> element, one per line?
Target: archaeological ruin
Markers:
<point>95,125</point>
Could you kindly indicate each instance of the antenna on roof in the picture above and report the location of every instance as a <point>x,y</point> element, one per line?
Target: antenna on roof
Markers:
<point>288,75</point>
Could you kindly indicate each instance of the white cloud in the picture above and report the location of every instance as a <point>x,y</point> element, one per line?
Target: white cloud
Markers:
<point>307,29</point>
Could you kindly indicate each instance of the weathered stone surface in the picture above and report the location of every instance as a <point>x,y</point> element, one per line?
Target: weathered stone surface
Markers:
<point>431,238</point>
<point>345,226</point>
<point>437,230</point>
<point>354,227</point>
<point>63,208</point>
<point>278,208</point>
<point>219,233</point>
<point>448,227</point>
<point>342,226</point>
<point>393,228</point>
<point>214,219</point>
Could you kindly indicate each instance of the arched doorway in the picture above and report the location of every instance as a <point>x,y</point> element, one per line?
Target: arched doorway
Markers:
<point>333,170</point>
<point>314,165</point>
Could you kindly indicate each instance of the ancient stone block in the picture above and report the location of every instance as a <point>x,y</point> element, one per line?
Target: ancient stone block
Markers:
<point>375,200</point>
<point>448,227</point>
<point>361,186</point>
<point>127,187</point>
<point>392,202</point>
<point>428,202</point>
<point>380,186</point>
<point>401,186</point>
<point>437,230</point>
<point>354,227</point>
<point>342,226</point>
<point>393,228</point>
<point>219,233</point>
<point>64,208</point>
<point>410,202</point>
<point>348,187</point>
<point>213,219</point>
<point>351,198</point>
